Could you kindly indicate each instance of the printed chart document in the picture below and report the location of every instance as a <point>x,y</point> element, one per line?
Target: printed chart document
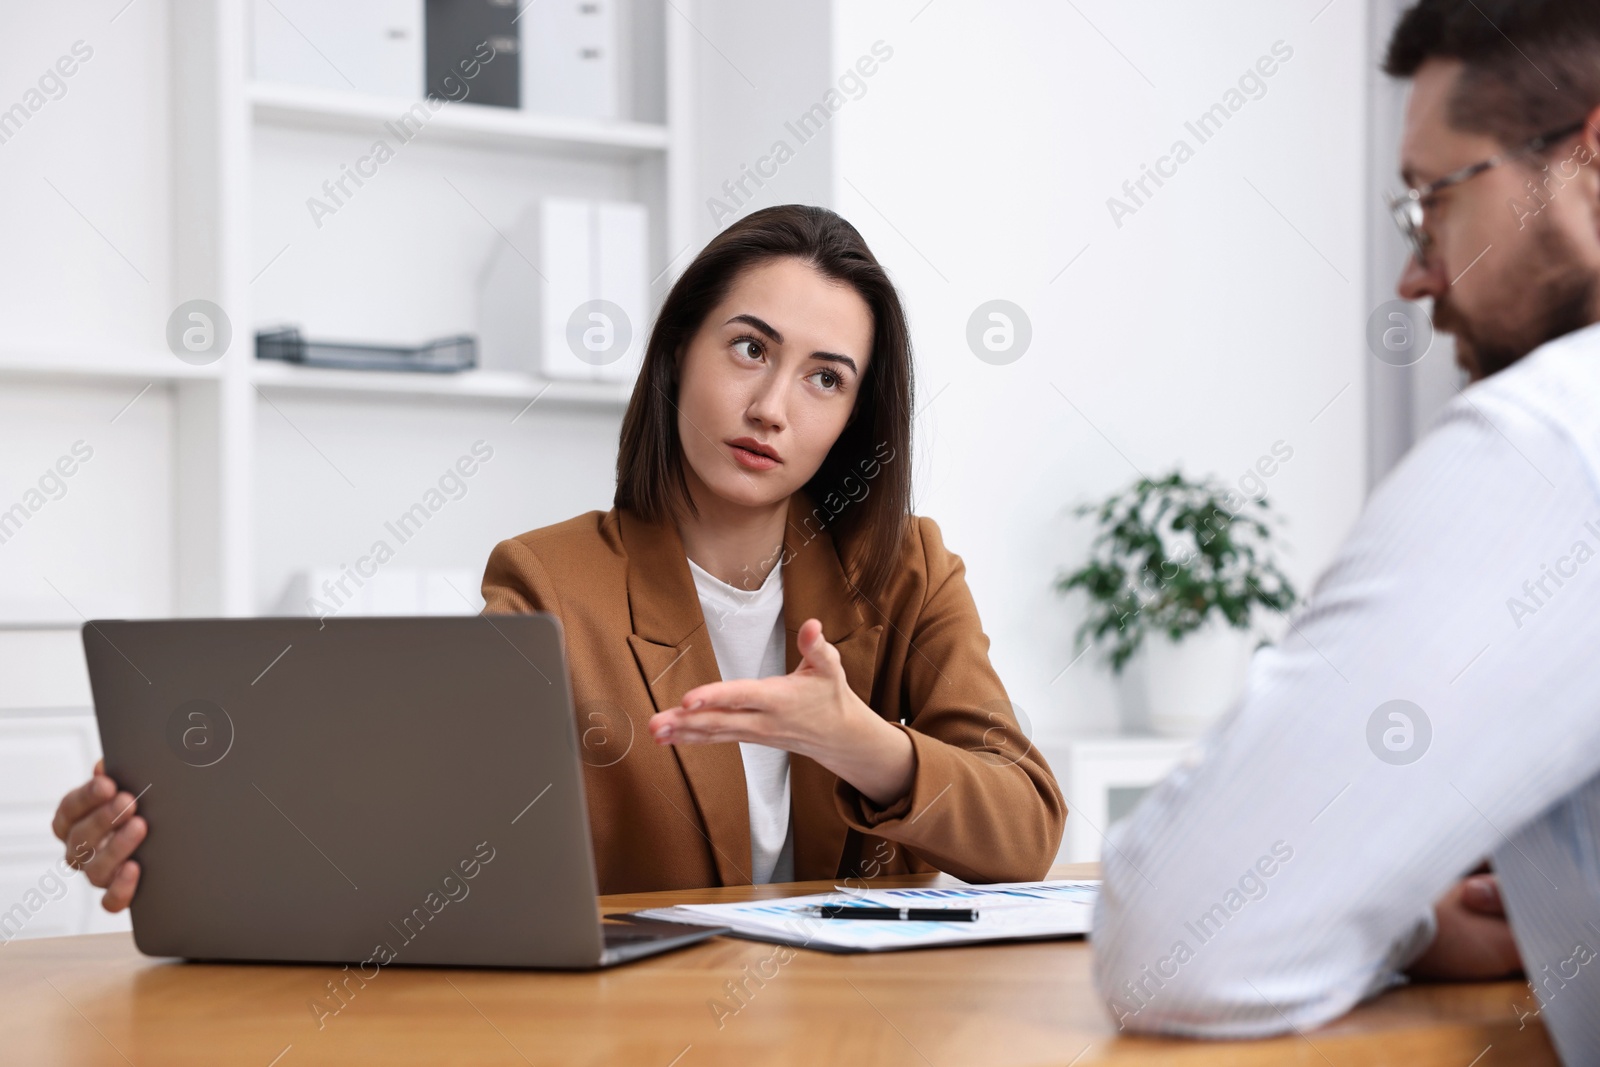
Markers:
<point>1011,911</point>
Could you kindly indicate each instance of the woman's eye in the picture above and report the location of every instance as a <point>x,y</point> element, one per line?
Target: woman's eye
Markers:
<point>748,347</point>
<point>829,380</point>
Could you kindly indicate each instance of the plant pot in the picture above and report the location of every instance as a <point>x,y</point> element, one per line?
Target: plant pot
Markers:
<point>1178,689</point>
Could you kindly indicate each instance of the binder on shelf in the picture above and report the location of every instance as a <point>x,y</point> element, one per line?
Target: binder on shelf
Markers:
<point>570,58</point>
<point>445,355</point>
<point>474,51</point>
<point>370,46</point>
<point>567,294</point>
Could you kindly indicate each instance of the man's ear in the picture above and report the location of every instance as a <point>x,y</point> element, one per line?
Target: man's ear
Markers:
<point>1588,149</point>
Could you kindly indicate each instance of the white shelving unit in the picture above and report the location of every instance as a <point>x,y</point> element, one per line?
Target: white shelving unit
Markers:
<point>219,118</point>
<point>207,494</point>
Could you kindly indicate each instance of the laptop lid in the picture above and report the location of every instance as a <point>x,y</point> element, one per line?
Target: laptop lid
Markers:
<point>361,790</point>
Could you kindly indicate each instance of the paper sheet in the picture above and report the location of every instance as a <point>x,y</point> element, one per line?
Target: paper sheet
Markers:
<point>1009,911</point>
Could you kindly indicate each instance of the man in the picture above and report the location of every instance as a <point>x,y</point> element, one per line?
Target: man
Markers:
<point>1437,701</point>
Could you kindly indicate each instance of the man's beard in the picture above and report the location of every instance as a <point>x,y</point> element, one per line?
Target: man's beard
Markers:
<point>1559,301</point>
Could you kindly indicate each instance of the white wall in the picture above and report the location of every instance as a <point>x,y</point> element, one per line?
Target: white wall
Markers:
<point>1220,318</point>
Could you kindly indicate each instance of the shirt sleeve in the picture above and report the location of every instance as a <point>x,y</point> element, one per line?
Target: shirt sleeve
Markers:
<point>983,804</point>
<point>1436,693</point>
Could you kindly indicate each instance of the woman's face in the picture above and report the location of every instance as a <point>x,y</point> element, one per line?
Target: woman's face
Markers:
<point>770,379</point>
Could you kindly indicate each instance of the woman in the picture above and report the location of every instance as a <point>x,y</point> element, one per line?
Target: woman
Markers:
<point>761,533</point>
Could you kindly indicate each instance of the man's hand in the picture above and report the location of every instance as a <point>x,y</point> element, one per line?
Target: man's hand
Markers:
<point>1474,940</point>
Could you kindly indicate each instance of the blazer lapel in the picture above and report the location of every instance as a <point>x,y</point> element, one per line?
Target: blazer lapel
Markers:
<point>815,587</point>
<point>673,651</point>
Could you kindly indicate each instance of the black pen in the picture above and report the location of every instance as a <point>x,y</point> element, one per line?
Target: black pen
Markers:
<point>845,911</point>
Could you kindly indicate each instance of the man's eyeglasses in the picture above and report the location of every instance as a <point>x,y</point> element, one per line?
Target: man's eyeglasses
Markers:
<point>1407,208</point>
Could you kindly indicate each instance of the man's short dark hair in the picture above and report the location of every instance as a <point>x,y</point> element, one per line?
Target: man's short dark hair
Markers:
<point>1529,65</point>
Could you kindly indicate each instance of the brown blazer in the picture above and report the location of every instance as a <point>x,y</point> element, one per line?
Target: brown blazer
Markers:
<point>983,804</point>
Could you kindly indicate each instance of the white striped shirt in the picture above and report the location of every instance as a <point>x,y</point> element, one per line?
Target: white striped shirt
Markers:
<point>1288,870</point>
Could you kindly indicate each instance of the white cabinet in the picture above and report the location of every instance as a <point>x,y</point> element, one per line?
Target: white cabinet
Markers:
<point>1102,779</point>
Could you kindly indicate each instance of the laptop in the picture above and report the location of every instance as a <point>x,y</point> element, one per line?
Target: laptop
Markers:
<point>370,791</point>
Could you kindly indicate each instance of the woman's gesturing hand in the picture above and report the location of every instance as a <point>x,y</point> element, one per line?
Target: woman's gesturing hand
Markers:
<point>100,828</point>
<point>811,712</point>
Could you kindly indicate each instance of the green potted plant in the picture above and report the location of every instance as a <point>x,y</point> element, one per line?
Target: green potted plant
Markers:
<point>1176,576</point>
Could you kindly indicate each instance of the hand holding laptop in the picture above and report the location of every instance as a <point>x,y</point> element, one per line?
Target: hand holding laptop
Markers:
<point>100,826</point>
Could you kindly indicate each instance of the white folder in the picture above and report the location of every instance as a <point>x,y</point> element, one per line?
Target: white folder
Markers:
<point>369,46</point>
<point>592,250</point>
<point>539,286</point>
<point>569,58</point>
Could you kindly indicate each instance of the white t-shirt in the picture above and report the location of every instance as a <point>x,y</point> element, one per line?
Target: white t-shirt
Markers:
<point>746,628</point>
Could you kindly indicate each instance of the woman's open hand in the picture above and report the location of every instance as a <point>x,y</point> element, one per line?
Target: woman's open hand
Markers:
<point>811,712</point>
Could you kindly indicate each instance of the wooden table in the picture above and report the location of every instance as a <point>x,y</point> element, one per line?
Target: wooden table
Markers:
<point>96,1000</point>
